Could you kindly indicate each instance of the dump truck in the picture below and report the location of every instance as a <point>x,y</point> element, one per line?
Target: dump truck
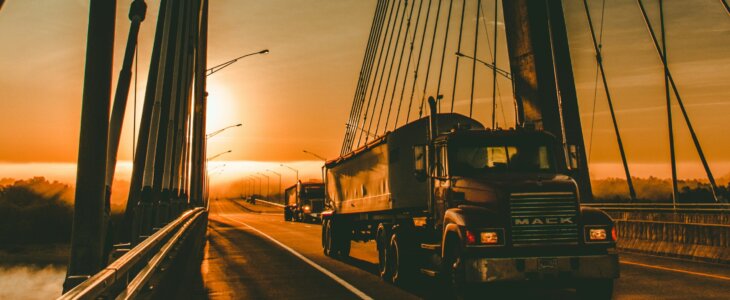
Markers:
<point>444,197</point>
<point>304,201</point>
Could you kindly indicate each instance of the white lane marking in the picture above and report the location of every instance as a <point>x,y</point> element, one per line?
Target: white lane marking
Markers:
<point>334,277</point>
<point>675,270</point>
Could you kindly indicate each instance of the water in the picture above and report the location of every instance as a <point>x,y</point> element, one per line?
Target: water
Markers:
<point>31,282</point>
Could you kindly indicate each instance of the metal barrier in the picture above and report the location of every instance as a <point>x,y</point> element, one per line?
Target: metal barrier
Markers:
<point>127,276</point>
<point>662,207</point>
<point>698,231</point>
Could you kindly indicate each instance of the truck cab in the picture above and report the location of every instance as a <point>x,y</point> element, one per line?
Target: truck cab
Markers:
<point>504,210</point>
<point>304,201</point>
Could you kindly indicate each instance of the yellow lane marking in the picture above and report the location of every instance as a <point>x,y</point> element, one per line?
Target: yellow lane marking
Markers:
<point>676,270</point>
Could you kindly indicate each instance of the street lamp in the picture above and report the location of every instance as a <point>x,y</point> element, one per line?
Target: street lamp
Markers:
<point>491,66</point>
<point>280,194</point>
<point>315,155</point>
<point>267,184</point>
<point>217,155</point>
<point>260,183</point>
<point>232,61</point>
<point>295,170</point>
<point>214,133</point>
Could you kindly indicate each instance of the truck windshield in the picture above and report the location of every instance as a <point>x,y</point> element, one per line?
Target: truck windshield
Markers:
<point>313,192</point>
<point>477,159</point>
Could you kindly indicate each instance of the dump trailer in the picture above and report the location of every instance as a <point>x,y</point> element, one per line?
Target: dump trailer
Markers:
<point>304,201</point>
<point>444,197</point>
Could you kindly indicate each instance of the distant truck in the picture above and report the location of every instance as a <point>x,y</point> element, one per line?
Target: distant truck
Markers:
<point>475,207</point>
<point>304,201</point>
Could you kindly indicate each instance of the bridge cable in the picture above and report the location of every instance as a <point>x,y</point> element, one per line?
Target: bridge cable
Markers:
<point>408,65</point>
<point>385,63</point>
<point>443,54</point>
<point>390,72</point>
<point>430,59</point>
<point>494,70</point>
<point>377,51</point>
<point>418,63</point>
<point>372,87</point>
<point>695,140</point>
<point>364,76</point>
<point>599,60</point>
<point>458,50</point>
<point>474,61</point>
<point>595,82</point>
<point>726,6</point>
<point>670,120</point>
<point>400,63</point>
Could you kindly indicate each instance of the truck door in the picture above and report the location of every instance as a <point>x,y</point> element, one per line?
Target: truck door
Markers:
<point>441,184</point>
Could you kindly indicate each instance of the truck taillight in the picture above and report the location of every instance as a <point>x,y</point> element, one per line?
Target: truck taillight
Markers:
<point>471,239</point>
<point>614,234</point>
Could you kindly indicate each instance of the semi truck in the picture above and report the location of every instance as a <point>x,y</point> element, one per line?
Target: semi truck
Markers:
<point>444,197</point>
<point>304,201</point>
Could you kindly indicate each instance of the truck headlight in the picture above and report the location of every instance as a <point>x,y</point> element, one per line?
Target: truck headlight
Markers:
<point>597,234</point>
<point>489,237</point>
<point>306,208</point>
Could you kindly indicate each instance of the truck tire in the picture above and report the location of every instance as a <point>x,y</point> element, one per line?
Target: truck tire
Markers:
<point>382,241</point>
<point>400,259</point>
<point>336,240</point>
<point>595,289</point>
<point>453,269</point>
<point>327,236</point>
<point>287,215</point>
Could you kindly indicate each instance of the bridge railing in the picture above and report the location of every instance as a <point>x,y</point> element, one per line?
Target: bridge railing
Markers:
<point>131,274</point>
<point>698,231</point>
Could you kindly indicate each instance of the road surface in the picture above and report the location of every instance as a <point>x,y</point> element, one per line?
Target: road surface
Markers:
<point>252,253</point>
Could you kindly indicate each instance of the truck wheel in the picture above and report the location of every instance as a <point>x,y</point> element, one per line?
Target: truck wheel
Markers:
<point>595,289</point>
<point>454,274</point>
<point>382,240</point>
<point>399,259</point>
<point>327,237</point>
<point>343,237</point>
<point>287,215</point>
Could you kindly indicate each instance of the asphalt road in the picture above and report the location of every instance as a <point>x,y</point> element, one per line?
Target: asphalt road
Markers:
<point>253,254</point>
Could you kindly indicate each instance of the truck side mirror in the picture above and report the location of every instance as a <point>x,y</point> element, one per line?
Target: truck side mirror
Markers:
<point>419,162</point>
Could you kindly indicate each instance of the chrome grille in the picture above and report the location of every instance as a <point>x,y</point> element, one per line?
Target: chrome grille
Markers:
<point>544,218</point>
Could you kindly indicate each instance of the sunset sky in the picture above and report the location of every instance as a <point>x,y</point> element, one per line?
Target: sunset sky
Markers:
<point>299,96</point>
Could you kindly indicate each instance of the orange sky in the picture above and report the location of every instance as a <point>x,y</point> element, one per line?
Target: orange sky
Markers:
<point>298,96</point>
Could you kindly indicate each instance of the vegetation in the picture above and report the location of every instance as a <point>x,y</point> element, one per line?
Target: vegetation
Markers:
<point>656,190</point>
<point>35,211</point>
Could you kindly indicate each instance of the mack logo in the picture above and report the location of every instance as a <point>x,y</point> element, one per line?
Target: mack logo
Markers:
<point>543,221</point>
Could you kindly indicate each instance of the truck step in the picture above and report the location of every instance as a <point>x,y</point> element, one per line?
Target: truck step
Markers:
<point>429,273</point>
<point>432,247</point>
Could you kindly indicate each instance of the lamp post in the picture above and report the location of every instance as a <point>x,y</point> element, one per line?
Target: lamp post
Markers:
<point>214,133</point>
<point>260,182</point>
<point>281,196</point>
<point>290,168</point>
<point>217,155</point>
<point>315,155</point>
<point>491,66</point>
<point>217,68</point>
<point>268,193</point>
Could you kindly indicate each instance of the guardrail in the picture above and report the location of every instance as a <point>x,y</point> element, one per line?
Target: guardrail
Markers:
<point>128,276</point>
<point>270,203</point>
<point>698,231</point>
<point>662,207</point>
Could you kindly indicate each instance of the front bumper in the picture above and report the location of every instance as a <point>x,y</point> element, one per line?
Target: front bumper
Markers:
<point>541,268</point>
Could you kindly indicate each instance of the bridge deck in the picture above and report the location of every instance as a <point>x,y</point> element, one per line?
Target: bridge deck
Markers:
<point>251,254</point>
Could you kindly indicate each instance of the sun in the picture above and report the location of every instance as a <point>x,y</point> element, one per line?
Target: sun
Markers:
<point>222,108</point>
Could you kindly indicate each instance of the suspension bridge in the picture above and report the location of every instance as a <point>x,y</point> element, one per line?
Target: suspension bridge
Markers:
<point>504,63</point>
